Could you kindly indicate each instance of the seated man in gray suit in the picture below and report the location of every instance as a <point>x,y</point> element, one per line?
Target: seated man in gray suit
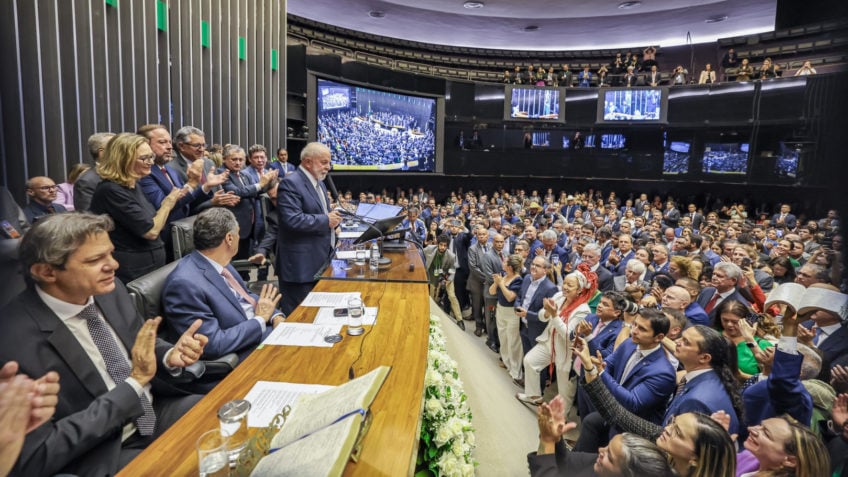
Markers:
<point>76,319</point>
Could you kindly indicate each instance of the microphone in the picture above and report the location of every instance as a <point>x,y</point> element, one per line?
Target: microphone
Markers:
<point>334,193</point>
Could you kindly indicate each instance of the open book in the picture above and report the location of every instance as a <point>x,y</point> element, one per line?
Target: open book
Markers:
<point>322,429</point>
<point>803,300</point>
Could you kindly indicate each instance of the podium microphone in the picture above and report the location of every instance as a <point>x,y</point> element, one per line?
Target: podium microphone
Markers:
<point>331,186</point>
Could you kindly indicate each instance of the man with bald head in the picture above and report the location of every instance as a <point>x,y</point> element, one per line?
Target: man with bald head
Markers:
<point>678,298</point>
<point>42,194</point>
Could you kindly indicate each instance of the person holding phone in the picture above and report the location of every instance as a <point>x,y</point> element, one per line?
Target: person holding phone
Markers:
<point>731,313</point>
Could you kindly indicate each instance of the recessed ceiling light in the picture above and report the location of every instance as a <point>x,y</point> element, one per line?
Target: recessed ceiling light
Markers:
<point>531,28</point>
<point>376,14</point>
<point>473,5</point>
<point>627,5</point>
<point>716,19</point>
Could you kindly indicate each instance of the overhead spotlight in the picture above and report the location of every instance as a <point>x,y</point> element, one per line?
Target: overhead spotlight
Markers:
<point>376,14</point>
<point>716,19</point>
<point>628,5</point>
<point>473,5</point>
<point>531,28</point>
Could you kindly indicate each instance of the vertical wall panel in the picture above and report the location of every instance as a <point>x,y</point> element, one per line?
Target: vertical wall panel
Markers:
<point>76,67</point>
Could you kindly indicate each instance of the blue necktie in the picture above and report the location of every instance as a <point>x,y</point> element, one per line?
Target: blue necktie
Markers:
<point>117,365</point>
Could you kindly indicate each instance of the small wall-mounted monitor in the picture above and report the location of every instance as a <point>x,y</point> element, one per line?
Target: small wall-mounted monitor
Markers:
<point>533,103</point>
<point>676,158</point>
<point>786,162</point>
<point>542,139</point>
<point>725,158</point>
<point>633,105</point>
<point>613,141</point>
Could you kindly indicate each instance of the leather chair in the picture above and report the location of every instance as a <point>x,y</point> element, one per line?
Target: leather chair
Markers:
<point>146,293</point>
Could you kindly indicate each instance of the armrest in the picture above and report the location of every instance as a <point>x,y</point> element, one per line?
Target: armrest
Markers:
<point>210,367</point>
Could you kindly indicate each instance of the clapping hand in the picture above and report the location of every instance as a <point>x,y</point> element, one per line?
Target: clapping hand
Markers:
<point>144,352</point>
<point>747,331</point>
<point>584,328</point>
<point>41,397</point>
<point>225,199</point>
<point>723,419</point>
<point>550,307</point>
<point>551,419</point>
<point>214,180</point>
<point>838,374</point>
<point>189,347</point>
<point>840,414</point>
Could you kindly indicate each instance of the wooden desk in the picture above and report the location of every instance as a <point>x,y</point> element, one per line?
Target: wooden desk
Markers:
<point>399,339</point>
<point>397,271</point>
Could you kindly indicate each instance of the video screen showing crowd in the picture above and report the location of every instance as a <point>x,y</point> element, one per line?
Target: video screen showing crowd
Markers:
<point>726,158</point>
<point>374,130</point>
<point>630,105</point>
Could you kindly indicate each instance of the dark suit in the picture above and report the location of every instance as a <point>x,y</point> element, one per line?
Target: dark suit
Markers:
<point>534,326</point>
<point>781,393</point>
<point>605,279</point>
<point>84,189</point>
<point>704,394</point>
<point>834,347</point>
<point>34,211</point>
<point>696,315</point>
<point>196,290</point>
<point>285,170</point>
<point>246,212</point>
<point>697,220</point>
<point>84,435</point>
<point>156,187</point>
<point>707,294</point>
<point>460,244</point>
<point>604,341</point>
<point>304,240</point>
<point>644,391</point>
<point>789,221</point>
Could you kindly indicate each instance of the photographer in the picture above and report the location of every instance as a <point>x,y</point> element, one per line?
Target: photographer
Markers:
<point>678,76</point>
<point>441,265</point>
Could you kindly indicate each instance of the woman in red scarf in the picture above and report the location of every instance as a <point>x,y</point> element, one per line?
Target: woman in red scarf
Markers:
<point>553,347</point>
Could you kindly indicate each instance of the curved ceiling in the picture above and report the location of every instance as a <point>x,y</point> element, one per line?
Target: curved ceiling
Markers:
<point>559,24</point>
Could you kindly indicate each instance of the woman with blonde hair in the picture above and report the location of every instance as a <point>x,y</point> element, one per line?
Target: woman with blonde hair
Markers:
<point>138,248</point>
<point>563,312</point>
<point>681,267</point>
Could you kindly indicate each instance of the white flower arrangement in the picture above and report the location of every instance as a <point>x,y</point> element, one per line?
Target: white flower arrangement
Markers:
<point>447,436</point>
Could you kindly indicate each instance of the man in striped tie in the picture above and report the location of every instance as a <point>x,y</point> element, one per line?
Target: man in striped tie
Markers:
<point>76,319</point>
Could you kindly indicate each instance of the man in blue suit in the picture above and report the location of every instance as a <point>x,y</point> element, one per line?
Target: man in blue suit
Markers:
<point>163,179</point>
<point>282,163</point>
<point>204,285</point>
<point>709,384</point>
<point>637,374</point>
<point>600,330</point>
<point>784,218</point>
<point>307,224</point>
<point>534,289</point>
<point>247,211</point>
<point>725,277</point>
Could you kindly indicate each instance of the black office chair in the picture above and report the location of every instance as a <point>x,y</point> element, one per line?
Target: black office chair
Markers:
<point>146,293</point>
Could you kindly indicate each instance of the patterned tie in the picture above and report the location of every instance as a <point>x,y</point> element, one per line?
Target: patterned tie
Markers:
<point>231,281</point>
<point>680,386</point>
<point>117,364</point>
<point>167,176</point>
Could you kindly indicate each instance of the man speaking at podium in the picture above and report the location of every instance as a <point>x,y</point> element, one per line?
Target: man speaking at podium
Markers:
<point>307,225</point>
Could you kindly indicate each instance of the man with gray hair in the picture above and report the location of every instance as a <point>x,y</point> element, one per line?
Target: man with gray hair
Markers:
<point>76,319</point>
<point>724,282</point>
<point>307,224</point>
<point>87,182</point>
<point>206,286</point>
<point>592,257</point>
<point>189,146</point>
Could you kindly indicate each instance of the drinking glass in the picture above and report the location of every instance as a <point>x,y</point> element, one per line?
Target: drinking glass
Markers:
<point>355,310</point>
<point>212,458</point>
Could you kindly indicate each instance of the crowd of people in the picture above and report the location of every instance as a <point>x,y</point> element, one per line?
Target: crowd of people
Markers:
<point>648,317</point>
<point>631,70</point>
<point>652,326</point>
<point>379,139</point>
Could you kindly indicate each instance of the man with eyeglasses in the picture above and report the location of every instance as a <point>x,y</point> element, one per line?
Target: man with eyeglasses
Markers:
<point>42,194</point>
<point>189,146</point>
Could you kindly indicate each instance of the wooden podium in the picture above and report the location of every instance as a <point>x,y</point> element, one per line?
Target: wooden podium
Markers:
<point>399,339</point>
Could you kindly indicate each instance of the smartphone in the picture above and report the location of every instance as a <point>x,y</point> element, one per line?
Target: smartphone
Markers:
<point>340,312</point>
<point>746,262</point>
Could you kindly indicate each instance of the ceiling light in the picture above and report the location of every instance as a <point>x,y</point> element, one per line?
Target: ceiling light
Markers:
<point>627,5</point>
<point>473,5</point>
<point>716,19</point>
<point>531,28</point>
<point>376,14</point>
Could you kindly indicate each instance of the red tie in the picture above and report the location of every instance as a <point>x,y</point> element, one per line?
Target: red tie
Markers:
<point>712,303</point>
<point>236,286</point>
<point>167,176</point>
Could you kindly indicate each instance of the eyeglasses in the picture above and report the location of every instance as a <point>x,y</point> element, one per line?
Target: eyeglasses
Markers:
<point>198,145</point>
<point>46,188</point>
<point>147,159</point>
